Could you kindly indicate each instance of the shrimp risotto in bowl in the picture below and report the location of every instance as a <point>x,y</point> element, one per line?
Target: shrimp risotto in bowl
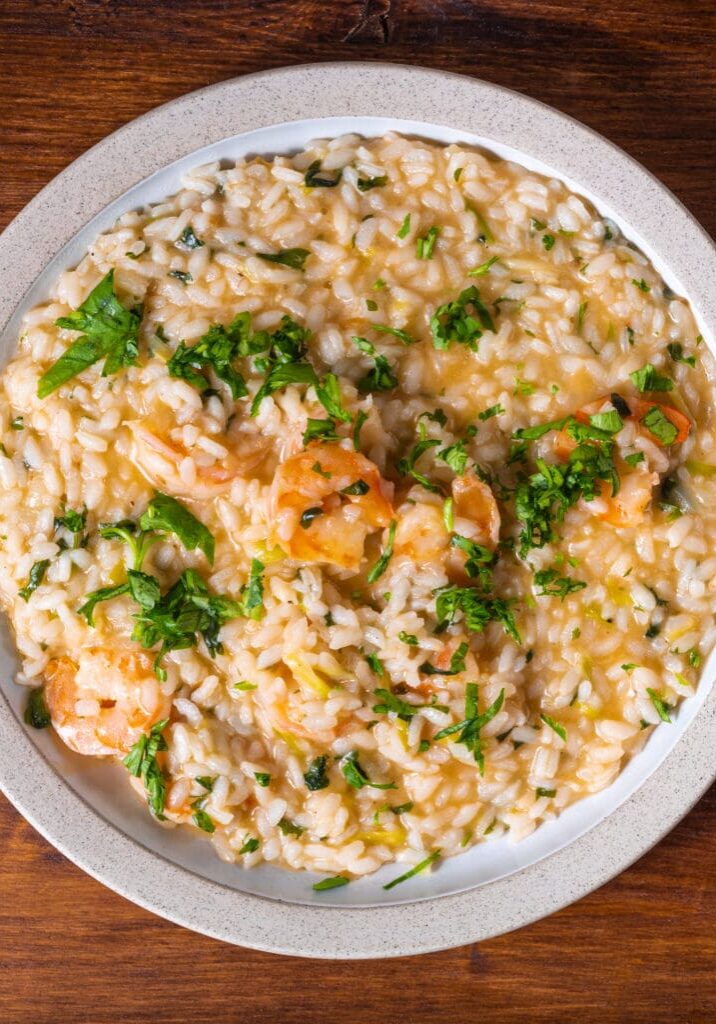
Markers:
<point>359,503</point>
<point>357,511</point>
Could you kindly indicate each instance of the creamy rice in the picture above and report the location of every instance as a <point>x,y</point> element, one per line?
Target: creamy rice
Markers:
<point>278,748</point>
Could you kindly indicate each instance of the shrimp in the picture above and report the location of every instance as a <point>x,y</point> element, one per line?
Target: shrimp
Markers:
<point>104,703</point>
<point>423,536</point>
<point>177,471</point>
<point>628,506</point>
<point>325,501</point>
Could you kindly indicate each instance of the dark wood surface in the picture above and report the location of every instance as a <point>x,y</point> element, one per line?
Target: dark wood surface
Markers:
<point>641,949</point>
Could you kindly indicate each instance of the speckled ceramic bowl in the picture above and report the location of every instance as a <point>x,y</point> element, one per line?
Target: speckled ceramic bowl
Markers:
<point>83,807</point>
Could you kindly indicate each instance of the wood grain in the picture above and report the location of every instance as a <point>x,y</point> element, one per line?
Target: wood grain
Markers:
<point>641,949</point>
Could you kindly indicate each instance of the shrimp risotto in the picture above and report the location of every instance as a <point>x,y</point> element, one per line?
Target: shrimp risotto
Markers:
<point>361,504</point>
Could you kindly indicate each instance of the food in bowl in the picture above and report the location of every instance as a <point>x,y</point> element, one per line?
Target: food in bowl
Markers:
<point>359,504</point>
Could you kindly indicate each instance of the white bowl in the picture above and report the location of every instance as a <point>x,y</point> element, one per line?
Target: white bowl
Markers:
<point>85,807</point>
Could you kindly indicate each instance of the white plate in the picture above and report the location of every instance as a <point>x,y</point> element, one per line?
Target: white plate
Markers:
<point>85,808</point>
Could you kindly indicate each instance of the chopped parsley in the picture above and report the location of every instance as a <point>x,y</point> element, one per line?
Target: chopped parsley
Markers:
<point>293,258</point>
<point>479,560</point>
<point>309,515</point>
<point>469,728</point>
<point>477,611</point>
<point>356,777</point>
<point>484,268</point>
<point>457,664</point>
<point>251,845</point>
<point>110,331</point>
<point>360,419</point>
<point>676,351</point>
<point>424,246</point>
<point>37,575</point>
<point>181,275</point>
<point>548,241</point>
<point>36,713</point>
<point>464,320</point>
<point>188,240</point>
<point>408,638</point>
<point>320,430</point>
<point>314,178</point>
<point>203,821</point>
<point>331,883</point>
<point>263,779</point>
<point>662,708</point>
<point>391,703</point>
<point>414,870</point>
<point>634,459</point>
<point>290,828</point>
<point>141,762</point>
<point>554,726</point>
<point>376,664</point>
<point>404,227</point>
<point>494,410</point>
<point>660,426</point>
<point>366,184</point>
<point>18,423</point>
<point>647,379</point>
<point>316,776</point>
<point>554,585</point>
<point>541,791</point>
<point>382,564</point>
<point>641,284</point>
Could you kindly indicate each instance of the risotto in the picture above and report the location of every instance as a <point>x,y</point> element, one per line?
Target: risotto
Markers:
<point>360,503</point>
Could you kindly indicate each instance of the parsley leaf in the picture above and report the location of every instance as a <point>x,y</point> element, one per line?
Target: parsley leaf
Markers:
<point>414,870</point>
<point>662,708</point>
<point>453,322</point>
<point>554,585</point>
<point>109,332</point>
<point>314,179</point>
<point>469,728</point>
<point>676,351</point>
<point>382,564</point>
<point>188,240</point>
<point>356,777</point>
<point>647,379</point>
<point>166,514</point>
<point>141,761</point>
<point>37,575</point>
<point>331,883</point>
<point>479,561</point>
<point>404,227</point>
<point>366,184</point>
<point>660,426</point>
<point>487,414</point>
<point>36,713</point>
<point>457,663</point>
<point>316,777</point>
<point>554,726</point>
<point>293,258</point>
<point>477,610</point>
<point>320,430</point>
<point>424,246</point>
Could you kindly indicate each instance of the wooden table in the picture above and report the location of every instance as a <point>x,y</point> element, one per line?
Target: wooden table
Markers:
<point>643,948</point>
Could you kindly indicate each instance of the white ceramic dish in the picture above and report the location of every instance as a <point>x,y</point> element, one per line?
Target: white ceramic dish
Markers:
<point>83,807</point>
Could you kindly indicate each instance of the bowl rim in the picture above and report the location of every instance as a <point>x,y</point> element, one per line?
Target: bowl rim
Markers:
<point>584,159</point>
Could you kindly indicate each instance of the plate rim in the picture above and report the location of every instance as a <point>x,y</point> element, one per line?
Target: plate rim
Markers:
<point>120,862</point>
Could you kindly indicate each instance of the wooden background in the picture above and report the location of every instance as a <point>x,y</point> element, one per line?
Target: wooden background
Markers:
<point>643,948</point>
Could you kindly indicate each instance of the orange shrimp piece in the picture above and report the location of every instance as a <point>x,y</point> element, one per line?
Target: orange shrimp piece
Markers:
<point>315,519</point>
<point>103,704</point>
<point>423,537</point>
<point>628,506</point>
<point>160,462</point>
<point>564,445</point>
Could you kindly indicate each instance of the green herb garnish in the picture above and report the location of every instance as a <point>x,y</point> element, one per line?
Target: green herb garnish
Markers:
<point>37,575</point>
<point>109,331</point>
<point>293,258</point>
<point>415,870</point>
<point>356,777</point>
<point>382,564</point>
<point>316,776</point>
<point>141,762</point>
